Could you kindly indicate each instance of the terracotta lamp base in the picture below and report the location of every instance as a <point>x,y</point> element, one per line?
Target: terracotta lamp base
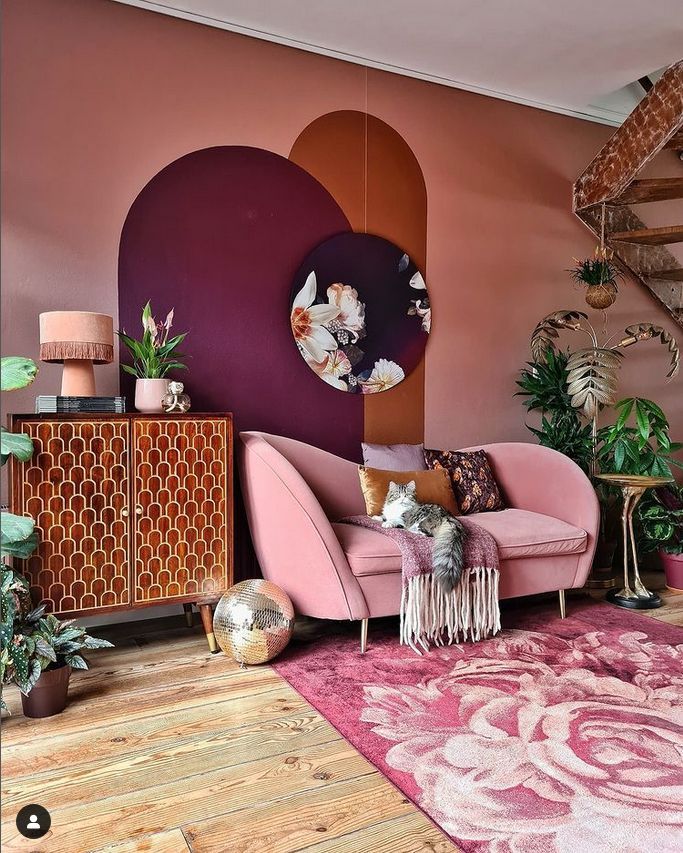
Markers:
<point>78,378</point>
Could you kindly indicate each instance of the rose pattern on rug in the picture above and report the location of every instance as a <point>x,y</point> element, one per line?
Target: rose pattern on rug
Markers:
<point>529,743</point>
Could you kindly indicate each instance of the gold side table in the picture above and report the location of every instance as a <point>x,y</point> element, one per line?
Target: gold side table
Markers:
<point>633,487</point>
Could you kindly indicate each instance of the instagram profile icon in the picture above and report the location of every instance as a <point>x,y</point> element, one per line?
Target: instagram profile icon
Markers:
<point>33,821</point>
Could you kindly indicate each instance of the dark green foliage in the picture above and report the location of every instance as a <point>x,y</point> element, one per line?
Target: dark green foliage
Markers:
<point>544,384</point>
<point>33,641</point>
<point>660,520</point>
<point>642,448</point>
<point>596,270</point>
<point>59,642</point>
<point>565,433</point>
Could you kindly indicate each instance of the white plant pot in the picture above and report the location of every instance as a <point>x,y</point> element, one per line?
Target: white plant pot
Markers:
<point>149,393</point>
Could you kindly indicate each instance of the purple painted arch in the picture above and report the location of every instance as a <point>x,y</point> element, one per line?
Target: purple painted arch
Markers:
<point>219,235</point>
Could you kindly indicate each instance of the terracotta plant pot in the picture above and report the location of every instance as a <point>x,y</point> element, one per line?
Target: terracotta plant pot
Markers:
<point>49,695</point>
<point>673,570</point>
<point>149,393</point>
<point>601,296</point>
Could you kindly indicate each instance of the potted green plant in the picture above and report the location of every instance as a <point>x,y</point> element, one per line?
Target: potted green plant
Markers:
<point>39,651</point>
<point>153,357</point>
<point>58,647</point>
<point>599,275</point>
<point>660,520</point>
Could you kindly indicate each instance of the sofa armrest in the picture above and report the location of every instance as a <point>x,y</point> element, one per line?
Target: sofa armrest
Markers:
<point>294,541</point>
<point>542,480</point>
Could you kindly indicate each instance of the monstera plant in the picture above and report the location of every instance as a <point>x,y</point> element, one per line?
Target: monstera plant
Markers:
<point>593,370</point>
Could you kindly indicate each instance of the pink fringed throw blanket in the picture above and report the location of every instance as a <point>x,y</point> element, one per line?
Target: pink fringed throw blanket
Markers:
<point>428,614</point>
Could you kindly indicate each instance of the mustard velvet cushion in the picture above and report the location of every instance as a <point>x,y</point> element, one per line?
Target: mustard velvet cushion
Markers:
<point>432,487</point>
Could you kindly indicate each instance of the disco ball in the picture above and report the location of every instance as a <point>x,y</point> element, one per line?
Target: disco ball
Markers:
<point>253,621</point>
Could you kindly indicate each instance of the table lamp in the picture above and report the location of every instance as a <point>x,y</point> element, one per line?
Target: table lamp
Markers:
<point>78,339</point>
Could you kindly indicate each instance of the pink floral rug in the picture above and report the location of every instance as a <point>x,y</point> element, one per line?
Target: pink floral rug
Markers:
<point>556,735</point>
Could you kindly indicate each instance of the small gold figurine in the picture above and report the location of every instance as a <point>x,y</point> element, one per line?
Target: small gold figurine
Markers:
<point>175,400</point>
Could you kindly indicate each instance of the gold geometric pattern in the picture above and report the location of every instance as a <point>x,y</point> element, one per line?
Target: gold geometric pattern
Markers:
<point>76,489</point>
<point>181,515</point>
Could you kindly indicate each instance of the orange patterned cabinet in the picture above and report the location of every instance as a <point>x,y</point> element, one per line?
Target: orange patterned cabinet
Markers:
<point>132,510</point>
<point>181,535</point>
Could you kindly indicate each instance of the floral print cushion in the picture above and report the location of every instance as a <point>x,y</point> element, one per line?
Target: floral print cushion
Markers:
<point>472,479</point>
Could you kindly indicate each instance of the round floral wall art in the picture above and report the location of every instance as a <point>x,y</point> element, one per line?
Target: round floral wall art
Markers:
<point>360,313</point>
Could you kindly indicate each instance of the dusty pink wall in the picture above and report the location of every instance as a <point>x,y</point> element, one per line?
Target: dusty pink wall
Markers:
<point>98,97</point>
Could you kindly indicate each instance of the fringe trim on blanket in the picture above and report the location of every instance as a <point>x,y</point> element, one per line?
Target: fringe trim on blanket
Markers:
<point>430,615</point>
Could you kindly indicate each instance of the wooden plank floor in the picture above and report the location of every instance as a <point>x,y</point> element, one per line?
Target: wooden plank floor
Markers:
<point>166,748</point>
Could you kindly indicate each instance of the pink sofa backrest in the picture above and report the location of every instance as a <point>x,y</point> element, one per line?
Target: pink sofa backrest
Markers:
<point>334,481</point>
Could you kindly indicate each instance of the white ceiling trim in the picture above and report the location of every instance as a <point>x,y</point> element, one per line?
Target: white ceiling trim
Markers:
<point>594,113</point>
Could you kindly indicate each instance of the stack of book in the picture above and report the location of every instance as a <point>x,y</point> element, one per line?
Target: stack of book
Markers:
<point>79,405</point>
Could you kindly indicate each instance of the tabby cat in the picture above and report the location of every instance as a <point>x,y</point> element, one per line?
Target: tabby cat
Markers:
<point>402,509</point>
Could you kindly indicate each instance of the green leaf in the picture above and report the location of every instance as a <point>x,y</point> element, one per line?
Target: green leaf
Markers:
<point>19,538</point>
<point>624,414</point>
<point>642,421</point>
<point>35,671</point>
<point>662,439</point>
<point>45,649</point>
<point>131,370</point>
<point>96,643</point>
<point>76,661</point>
<point>17,372</point>
<point>655,410</point>
<point>660,468</point>
<point>619,454</point>
<point>171,344</point>
<point>15,444</point>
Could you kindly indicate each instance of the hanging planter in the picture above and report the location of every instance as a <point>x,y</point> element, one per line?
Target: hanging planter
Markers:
<point>599,275</point>
<point>601,296</point>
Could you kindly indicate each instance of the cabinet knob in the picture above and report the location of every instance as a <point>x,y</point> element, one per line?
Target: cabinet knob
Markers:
<point>138,510</point>
<point>124,513</point>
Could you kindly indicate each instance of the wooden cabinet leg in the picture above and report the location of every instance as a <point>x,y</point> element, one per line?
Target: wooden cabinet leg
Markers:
<point>189,618</point>
<point>207,621</point>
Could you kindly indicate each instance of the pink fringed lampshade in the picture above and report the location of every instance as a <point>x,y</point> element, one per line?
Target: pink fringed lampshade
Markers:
<point>79,339</point>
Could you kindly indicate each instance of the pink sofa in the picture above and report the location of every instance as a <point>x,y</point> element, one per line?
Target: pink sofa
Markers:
<point>296,494</point>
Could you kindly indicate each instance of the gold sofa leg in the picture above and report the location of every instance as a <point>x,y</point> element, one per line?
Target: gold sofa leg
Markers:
<point>563,605</point>
<point>363,636</point>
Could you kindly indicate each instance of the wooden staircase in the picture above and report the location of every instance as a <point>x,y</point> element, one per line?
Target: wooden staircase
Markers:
<point>610,186</point>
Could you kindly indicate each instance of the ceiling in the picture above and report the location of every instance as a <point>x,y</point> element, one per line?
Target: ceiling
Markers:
<point>580,57</point>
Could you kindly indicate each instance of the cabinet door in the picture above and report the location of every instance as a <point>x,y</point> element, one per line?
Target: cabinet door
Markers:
<point>76,489</point>
<point>181,494</point>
